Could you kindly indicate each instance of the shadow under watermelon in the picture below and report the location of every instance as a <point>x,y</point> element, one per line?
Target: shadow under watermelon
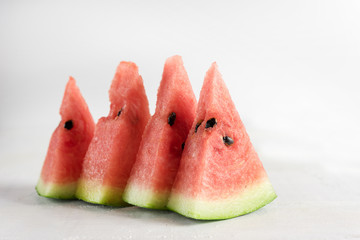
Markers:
<point>26,195</point>
<point>162,216</point>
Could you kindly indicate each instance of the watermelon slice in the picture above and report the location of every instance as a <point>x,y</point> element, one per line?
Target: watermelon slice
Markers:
<point>112,151</point>
<point>220,175</point>
<point>67,148</point>
<point>161,147</point>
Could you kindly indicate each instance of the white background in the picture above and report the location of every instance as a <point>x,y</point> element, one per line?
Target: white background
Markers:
<point>292,68</point>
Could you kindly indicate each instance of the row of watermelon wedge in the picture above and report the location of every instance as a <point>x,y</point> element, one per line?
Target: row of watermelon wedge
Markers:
<point>194,159</point>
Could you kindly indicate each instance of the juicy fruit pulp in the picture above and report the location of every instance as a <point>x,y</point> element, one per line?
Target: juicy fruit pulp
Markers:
<point>162,144</point>
<point>220,175</point>
<point>67,148</point>
<point>112,152</point>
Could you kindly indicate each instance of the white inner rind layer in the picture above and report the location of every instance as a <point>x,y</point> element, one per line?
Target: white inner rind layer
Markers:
<point>146,198</point>
<point>54,190</point>
<point>94,192</point>
<point>249,200</point>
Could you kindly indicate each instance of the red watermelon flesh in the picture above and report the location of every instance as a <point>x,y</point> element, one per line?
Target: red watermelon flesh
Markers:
<point>161,147</point>
<point>112,152</point>
<point>220,175</point>
<point>67,148</point>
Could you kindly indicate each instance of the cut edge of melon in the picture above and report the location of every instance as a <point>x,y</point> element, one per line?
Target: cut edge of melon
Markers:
<point>97,193</point>
<point>251,199</point>
<point>56,190</point>
<point>145,198</point>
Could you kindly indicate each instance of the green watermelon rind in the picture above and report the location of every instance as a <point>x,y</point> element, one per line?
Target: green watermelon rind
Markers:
<point>55,190</point>
<point>97,193</point>
<point>145,198</point>
<point>251,199</point>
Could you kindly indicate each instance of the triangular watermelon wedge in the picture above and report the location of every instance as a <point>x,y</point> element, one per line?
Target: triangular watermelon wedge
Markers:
<point>220,175</point>
<point>112,152</point>
<point>161,147</point>
<point>67,148</point>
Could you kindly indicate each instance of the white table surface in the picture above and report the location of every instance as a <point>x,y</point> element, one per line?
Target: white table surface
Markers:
<point>292,69</point>
<point>314,202</point>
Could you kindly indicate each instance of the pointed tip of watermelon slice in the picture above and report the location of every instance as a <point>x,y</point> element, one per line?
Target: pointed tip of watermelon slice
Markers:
<point>214,95</point>
<point>214,65</point>
<point>73,101</point>
<point>173,67</point>
<point>175,81</point>
<point>71,88</point>
<point>213,78</point>
<point>176,59</point>
<point>71,80</point>
<point>126,72</point>
<point>127,68</point>
<point>126,84</point>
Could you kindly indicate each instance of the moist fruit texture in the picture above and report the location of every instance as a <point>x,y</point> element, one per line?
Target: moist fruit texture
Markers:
<point>162,144</point>
<point>112,151</point>
<point>220,175</point>
<point>67,148</point>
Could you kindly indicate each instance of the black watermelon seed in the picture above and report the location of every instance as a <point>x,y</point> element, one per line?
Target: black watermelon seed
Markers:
<point>198,125</point>
<point>210,123</point>
<point>183,145</point>
<point>119,113</point>
<point>68,125</point>
<point>228,140</point>
<point>171,118</point>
